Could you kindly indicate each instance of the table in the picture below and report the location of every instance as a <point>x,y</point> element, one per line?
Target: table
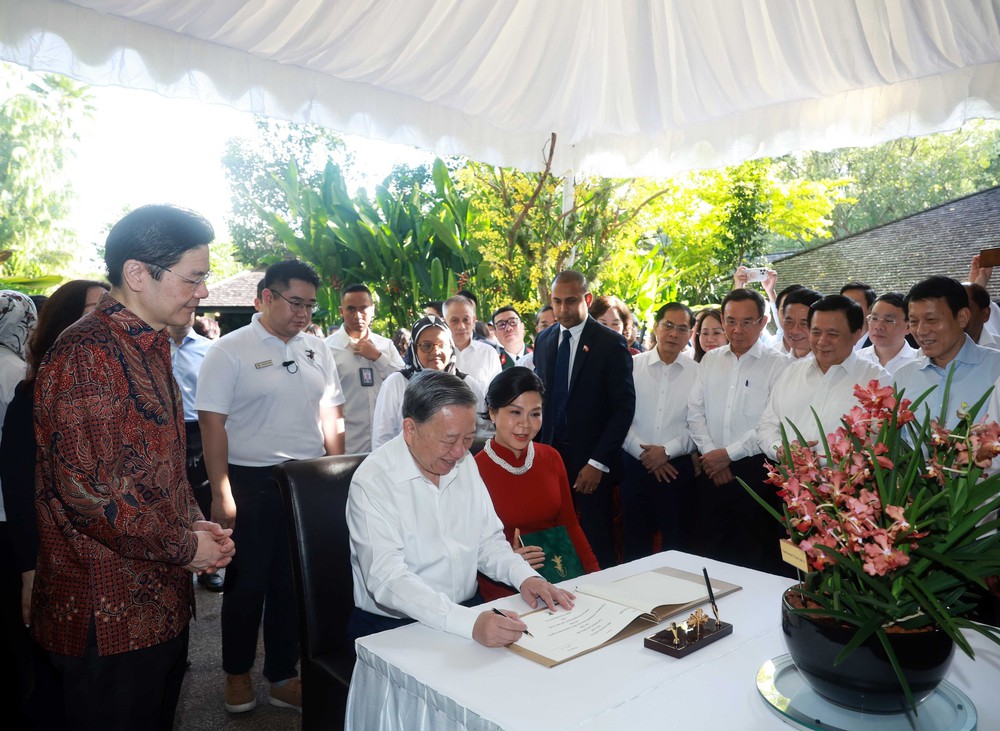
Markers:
<point>415,677</point>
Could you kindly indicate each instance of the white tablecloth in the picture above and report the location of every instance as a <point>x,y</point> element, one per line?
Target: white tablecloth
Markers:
<point>418,678</point>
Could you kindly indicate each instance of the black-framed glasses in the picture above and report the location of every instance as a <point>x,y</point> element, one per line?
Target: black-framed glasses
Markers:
<point>508,324</point>
<point>297,305</point>
<point>429,346</point>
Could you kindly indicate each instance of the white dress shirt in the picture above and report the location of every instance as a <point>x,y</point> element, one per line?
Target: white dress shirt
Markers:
<point>359,399</point>
<point>575,333</point>
<point>186,359</point>
<point>993,323</point>
<point>988,340</point>
<point>729,396</point>
<point>273,413</point>
<point>802,388</point>
<point>416,547</point>
<point>904,356</point>
<point>480,360</point>
<point>661,404</point>
<point>975,370</point>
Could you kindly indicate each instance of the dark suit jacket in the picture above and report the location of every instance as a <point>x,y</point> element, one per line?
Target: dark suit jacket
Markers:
<point>601,395</point>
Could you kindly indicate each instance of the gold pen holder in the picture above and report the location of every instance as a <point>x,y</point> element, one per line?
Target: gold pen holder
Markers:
<point>681,639</point>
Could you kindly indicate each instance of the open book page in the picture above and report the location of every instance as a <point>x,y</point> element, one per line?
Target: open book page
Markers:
<point>648,590</point>
<point>561,635</point>
<point>606,613</point>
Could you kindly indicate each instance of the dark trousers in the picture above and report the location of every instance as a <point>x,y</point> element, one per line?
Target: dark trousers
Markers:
<point>596,512</point>
<point>197,474</point>
<point>138,689</point>
<point>649,506</point>
<point>362,623</point>
<point>15,642</point>
<point>733,527</point>
<point>259,580</point>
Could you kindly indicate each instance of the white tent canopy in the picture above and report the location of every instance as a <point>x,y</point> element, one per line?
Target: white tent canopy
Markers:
<point>631,87</point>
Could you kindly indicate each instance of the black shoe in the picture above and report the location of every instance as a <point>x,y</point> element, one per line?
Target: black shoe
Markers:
<point>211,582</point>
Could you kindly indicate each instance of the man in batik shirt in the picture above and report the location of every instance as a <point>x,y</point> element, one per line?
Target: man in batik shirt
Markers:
<point>119,527</point>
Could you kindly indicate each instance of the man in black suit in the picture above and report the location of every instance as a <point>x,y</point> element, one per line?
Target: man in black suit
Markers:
<point>589,404</point>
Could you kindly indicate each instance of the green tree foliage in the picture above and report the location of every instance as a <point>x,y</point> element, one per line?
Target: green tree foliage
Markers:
<point>38,122</point>
<point>715,220</point>
<point>646,241</point>
<point>256,168</point>
<point>408,248</point>
<point>890,181</point>
<point>527,231</point>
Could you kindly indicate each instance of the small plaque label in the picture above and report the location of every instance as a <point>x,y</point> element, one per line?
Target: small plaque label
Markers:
<point>263,364</point>
<point>793,555</point>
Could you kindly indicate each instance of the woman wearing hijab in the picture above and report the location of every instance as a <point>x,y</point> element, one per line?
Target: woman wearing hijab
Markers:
<point>430,348</point>
<point>17,320</point>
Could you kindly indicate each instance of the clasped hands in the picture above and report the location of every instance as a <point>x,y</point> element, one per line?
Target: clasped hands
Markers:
<point>715,465</point>
<point>657,462</point>
<point>215,547</point>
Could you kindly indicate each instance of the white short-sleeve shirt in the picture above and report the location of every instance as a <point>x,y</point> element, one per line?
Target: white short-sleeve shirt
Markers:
<point>271,391</point>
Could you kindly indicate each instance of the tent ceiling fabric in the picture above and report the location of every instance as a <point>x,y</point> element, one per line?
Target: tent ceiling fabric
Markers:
<point>631,87</point>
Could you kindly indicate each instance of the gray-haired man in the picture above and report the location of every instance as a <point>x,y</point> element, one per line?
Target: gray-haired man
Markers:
<point>422,524</point>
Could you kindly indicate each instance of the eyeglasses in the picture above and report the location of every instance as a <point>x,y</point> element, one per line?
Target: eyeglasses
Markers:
<point>745,324</point>
<point>429,347</point>
<point>509,324</point>
<point>297,305</point>
<point>715,332</point>
<point>195,283</point>
<point>670,327</point>
<point>875,320</point>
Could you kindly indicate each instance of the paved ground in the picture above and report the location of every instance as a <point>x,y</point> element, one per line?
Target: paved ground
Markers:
<point>201,707</point>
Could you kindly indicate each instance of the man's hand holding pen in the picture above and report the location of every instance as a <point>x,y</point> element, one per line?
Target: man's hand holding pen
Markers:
<point>498,629</point>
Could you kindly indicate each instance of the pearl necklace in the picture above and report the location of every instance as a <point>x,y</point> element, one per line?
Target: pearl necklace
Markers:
<point>528,459</point>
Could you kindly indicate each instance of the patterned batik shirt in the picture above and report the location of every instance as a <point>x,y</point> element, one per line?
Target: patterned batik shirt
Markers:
<point>114,507</point>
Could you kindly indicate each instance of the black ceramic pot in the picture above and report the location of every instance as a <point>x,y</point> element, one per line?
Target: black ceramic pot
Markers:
<point>865,680</point>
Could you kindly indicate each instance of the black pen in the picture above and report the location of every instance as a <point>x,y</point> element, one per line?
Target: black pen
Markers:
<point>497,611</point>
<point>711,595</point>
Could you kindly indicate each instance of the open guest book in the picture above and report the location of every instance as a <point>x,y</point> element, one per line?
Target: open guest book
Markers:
<point>606,613</point>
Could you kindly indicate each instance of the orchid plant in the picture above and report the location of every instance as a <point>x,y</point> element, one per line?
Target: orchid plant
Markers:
<point>897,518</point>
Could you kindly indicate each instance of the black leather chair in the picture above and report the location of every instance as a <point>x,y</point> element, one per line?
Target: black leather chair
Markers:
<point>314,495</point>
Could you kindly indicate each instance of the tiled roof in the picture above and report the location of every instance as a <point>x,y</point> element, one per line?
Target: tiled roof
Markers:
<point>894,256</point>
<point>236,291</point>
